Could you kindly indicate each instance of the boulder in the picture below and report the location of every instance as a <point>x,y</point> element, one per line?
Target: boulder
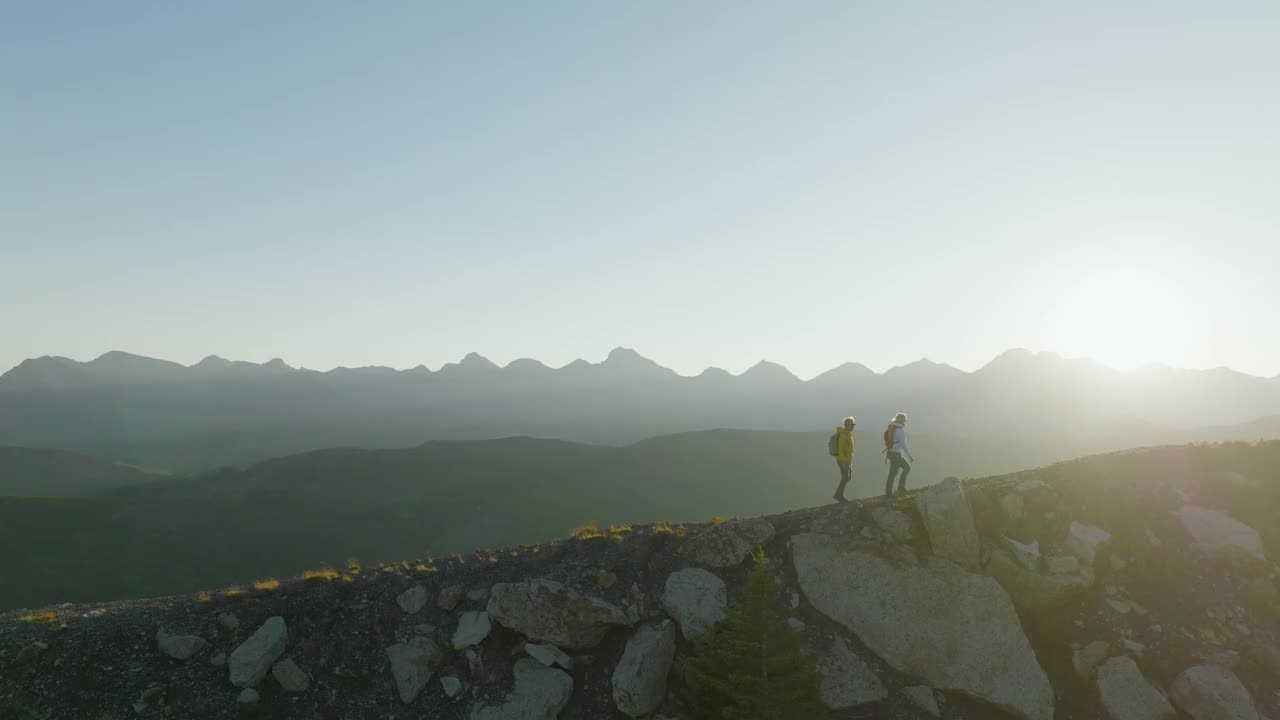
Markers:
<point>1212,692</point>
<point>959,630</point>
<point>949,522</point>
<point>1031,590</point>
<point>1218,532</point>
<point>413,599</point>
<point>1127,695</point>
<point>549,655</point>
<point>540,693</point>
<point>290,676</point>
<point>250,662</point>
<point>1061,564</point>
<point>248,696</point>
<point>1027,554</point>
<point>897,524</point>
<point>412,664</point>
<point>847,680</point>
<point>451,685</point>
<point>178,647</point>
<point>473,628</point>
<point>640,680</point>
<point>728,543</point>
<point>1013,507</point>
<point>449,597</point>
<point>1088,658</point>
<point>548,611</point>
<point>1087,541</point>
<point>922,697</point>
<point>696,599</point>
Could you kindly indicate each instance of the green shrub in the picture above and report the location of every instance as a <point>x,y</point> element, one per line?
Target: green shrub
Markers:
<point>752,666</point>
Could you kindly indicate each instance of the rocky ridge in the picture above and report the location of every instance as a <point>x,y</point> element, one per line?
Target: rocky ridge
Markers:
<point>1135,585</point>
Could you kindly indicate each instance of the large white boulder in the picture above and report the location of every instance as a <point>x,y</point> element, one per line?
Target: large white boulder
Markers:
<point>473,628</point>
<point>1212,692</point>
<point>253,659</point>
<point>728,543</point>
<point>847,680</point>
<point>1127,695</point>
<point>640,680</point>
<point>696,599</point>
<point>935,621</point>
<point>894,522</point>
<point>949,521</point>
<point>412,664</point>
<point>1218,532</point>
<point>547,611</point>
<point>1087,541</point>
<point>540,693</point>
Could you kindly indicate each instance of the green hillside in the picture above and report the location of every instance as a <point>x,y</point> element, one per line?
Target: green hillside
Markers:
<point>58,473</point>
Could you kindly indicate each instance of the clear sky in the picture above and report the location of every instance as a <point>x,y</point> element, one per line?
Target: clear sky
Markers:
<point>711,183</point>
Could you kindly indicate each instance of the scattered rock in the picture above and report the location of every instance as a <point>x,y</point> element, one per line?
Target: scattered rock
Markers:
<point>451,685</point>
<point>548,611</point>
<point>412,664</point>
<point>549,655</point>
<point>1087,659</point>
<point>540,693</point>
<point>449,598</point>
<point>949,522</point>
<point>1061,564</point>
<point>1119,606</point>
<point>478,595</point>
<point>229,622</point>
<point>28,654</point>
<point>606,580</point>
<point>248,696</point>
<point>1030,589</point>
<point>1218,532</point>
<point>1027,555</point>
<point>1012,505</point>
<point>178,647</point>
<point>1118,563</point>
<point>473,628</point>
<point>290,676</point>
<point>959,631</point>
<point>1087,541</point>
<point>413,599</point>
<point>1153,540</point>
<point>640,680</point>
<point>1031,485</point>
<point>250,662</point>
<point>795,623</point>
<point>475,665</point>
<point>1127,695</point>
<point>896,524</point>
<point>728,543</point>
<point>847,680</point>
<point>696,599</point>
<point>922,697</point>
<point>1133,646</point>
<point>1212,692</point>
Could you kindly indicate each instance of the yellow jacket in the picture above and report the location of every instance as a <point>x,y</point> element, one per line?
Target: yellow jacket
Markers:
<point>844,452</point>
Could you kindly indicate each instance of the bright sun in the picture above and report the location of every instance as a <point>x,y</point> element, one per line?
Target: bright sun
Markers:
<point>1123,318</point>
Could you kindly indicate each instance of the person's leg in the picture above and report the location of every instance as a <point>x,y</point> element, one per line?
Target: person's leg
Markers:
<point>845,474</point>
<point>902,479</point>
<point>893,470</point>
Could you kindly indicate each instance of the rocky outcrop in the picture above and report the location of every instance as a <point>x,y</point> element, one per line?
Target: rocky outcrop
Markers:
<point>1027,554</point>
<point>696,599</point>
<point>959,631</point>
<point>412,664</point>
<point>922,697</point>
<point>546,610</point>
<point>549,655</point>
<point>640,680</point>
<point>449,597</point>
<point>473,628</point>
<point>1086,542</point>
<point>1031,589</point>
<point>1218,532</point>
<point>897,525</point>
<point>253,659</point>
<point>949,522</point>
<point>290,676</point>
<point>540,693</point>
<point>1087,659</point>
<point>728,543</point>
<point>1212,692</point>
<point>178,647</point>
<point>847,680</point>
<point>413,599</point>
<point>1127,695</point>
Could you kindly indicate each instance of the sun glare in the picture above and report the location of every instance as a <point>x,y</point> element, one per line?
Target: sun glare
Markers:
<point>1123,318</point>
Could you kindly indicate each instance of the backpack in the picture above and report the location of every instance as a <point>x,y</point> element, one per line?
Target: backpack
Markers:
<point>888,436</point>
<point>833,444</point>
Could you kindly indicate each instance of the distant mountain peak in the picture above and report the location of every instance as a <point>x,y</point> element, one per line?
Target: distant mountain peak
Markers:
<point>471,362</point>
<point>276,364</point>
<point>628,360</point>
<point>212,361</point>
<point>766,370</point>
<point>845,372</point>
<point>525,364</point>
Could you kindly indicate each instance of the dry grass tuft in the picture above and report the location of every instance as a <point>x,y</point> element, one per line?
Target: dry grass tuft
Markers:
<point>204,596</point>
<point>324,574</point>
<point>235,592</point>
<point>267,585</point>
<point>353,566</point>
<point>590,531</point>
<point>716,520</point>
<point>426,567</point>
<point>666,529</point>
<point>39,616</point>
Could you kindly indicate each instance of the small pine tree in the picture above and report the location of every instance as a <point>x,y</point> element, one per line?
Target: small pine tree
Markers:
<point>752,666</point>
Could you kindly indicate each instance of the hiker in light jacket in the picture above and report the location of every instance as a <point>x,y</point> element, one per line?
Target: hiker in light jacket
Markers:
<point>895,451</point>
<point>844,456</point>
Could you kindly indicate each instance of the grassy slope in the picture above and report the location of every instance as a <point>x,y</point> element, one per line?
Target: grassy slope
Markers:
<point>60,473</point>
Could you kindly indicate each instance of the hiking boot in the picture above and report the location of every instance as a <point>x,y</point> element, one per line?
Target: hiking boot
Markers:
<point>840,498</point>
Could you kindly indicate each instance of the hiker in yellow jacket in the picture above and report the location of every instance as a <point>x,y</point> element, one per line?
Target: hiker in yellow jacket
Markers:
<point>844,456</point>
